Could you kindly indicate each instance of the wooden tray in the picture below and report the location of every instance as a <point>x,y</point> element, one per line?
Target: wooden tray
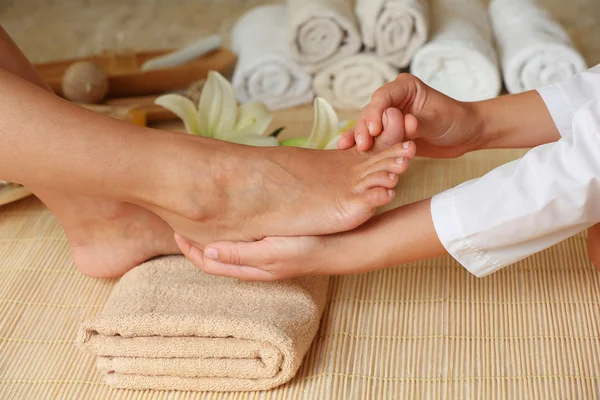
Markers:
<point>11,193</point>
<point>126,79</point>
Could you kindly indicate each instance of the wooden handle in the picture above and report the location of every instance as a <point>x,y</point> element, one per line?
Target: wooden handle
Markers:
<point>125,79</point>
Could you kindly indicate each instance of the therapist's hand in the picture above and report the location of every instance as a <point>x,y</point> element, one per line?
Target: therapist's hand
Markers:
<point>440,126</point>
<point>271,259</point>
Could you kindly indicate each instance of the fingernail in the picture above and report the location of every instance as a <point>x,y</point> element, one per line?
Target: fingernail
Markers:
<point>390,192</point>
<point>371,127</point>
<point>359,140</point>
<point>406,145</point>
<point>211,254</point>
<point>400,160</point>
<point>392,176</point>
<point>384,120</point>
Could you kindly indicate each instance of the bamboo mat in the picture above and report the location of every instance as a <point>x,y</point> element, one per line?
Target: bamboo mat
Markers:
<point>422,330</point>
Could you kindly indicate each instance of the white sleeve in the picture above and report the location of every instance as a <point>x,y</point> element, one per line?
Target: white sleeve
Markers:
<point>563,99</point>
<point>530,204</point>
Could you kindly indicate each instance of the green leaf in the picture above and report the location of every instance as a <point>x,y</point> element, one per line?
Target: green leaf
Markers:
<point>295,142</point>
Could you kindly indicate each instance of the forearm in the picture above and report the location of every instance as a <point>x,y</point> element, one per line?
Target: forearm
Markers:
<point>48,142</point>
<point>399,236</point>
<point>516,121</point>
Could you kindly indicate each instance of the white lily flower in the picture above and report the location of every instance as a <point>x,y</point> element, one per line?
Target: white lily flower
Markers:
<point>326,128</point>
<point>218,115</point>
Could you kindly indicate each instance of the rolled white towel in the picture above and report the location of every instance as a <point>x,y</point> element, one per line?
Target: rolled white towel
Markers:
<point>460,59</point>
<point>265,69</point>
<point>322,32</point>
<point>534,49</point>
<point>393,29</point>
<point>349,84</point>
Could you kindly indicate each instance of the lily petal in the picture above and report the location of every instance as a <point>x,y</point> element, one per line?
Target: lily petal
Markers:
<point>184,108</point>
<point>254,118</point>
<point>253,140</point>
<point>219,104</point>
<point>332,145</point>
<point>325,125</point>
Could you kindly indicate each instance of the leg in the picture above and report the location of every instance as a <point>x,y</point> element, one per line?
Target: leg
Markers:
<point>203,188</point>
<point>107,237</point>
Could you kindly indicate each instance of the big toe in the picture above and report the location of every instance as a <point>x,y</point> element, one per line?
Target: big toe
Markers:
<point>393,131</point>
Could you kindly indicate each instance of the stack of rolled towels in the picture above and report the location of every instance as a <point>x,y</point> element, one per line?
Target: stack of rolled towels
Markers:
<point>343,50</point>
<point>335,49</point>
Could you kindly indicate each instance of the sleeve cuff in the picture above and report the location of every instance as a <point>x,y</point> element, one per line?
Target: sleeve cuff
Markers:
<point>449,230</point>
<point>560,109</point>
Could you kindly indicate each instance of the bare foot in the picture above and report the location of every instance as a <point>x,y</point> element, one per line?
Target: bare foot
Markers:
<point>107,237</point>
<point>245,193</point>
<point>594,245</point>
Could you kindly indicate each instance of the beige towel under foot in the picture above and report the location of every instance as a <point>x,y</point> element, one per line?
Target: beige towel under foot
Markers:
<point>168,326</point>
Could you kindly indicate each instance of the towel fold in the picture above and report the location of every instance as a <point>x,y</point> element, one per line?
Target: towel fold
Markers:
<point>168,326</point>
<point>265,69</point>
<point>349,84</point>
<point>322,31</point>
<point>393,29</point>
<point>460,59</point>
<point>534,49</point>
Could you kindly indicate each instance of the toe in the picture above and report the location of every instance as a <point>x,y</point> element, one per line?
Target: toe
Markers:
<point>406,150</point>
<point>393,130</point>
<point>392,165</point>
<point>377,197</point>
<point>382,179</point>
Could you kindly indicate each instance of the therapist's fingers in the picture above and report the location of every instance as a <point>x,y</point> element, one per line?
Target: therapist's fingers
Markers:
<point>277,257</point>
<point>198,258</point>
<point>346,140</point>
<point>594,245</point>
<point>257,254</point>
<point>241,272</point>
<point>400,94</point>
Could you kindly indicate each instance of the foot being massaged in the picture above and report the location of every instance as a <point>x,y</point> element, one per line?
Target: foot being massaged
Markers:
<point>125,194</point>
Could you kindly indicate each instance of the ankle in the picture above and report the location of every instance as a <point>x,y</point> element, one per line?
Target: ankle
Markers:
<point>181,177</point>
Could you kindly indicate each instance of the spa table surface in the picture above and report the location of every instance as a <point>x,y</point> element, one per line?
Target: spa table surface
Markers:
<point>422,330</point>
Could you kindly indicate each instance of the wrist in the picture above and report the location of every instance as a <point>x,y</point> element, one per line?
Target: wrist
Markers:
<point>355,251</point>
<point>485,128</point>
<point>515,121</point>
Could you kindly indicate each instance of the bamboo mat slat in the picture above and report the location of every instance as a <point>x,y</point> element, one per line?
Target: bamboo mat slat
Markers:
<point>422,330</point>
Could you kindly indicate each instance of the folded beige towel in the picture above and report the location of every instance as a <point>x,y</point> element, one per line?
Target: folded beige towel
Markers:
<point>349,84</point>
<point>168,326</point>
<point>393,29</point>
<point>322,31</point>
